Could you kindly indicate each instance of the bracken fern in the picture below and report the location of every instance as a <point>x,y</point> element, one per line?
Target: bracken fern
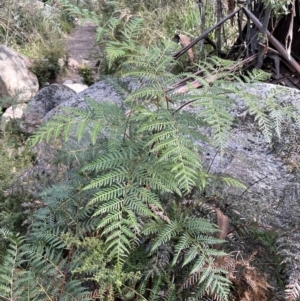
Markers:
<point>136,161</point>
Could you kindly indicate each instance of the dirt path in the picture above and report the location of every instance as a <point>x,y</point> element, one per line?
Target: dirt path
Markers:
<point>81,43</point>
<point>81,48</point>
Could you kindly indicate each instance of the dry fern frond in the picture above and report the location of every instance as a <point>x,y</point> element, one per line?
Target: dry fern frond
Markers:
<point>226,263</point>
<point>158,212</point>
<point>292,291</point>
<point>190,281</point>
<point>250,284</point>
<point>223,223</point>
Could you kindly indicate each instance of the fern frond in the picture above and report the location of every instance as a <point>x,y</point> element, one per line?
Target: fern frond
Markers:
<point>117,175</point>
<point>107,161</point>
<point>214,112</point>
<point>233,182</point>
<point>263,122</point>
<point>114,52</point>
<point>133,28</point>
<point>256,75</point>
<point>13,277</point>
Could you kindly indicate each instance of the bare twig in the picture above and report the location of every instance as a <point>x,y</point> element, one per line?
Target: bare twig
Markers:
<point>252,185</point>
<point>201,8</point>
<point>219,28</point>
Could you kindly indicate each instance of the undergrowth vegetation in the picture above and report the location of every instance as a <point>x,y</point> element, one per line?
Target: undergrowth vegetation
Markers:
<point>126,219</point>
<point>15,157</point>
<point>37,30</point>
<point>117,227</point>
<point>29,26</point>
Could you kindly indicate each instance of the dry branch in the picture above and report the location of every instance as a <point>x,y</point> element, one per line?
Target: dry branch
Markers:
<point>279,47</point>
<point>204,34</point>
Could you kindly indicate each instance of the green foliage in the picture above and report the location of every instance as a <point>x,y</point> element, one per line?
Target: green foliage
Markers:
<point>121,41</point>
<point>13,277</point>
<point>14,157</point>
<point>271,113</point>
<point>279,7</point>
<point>133,163</point>
<point>266,237</point>
<point>33,271</point>
<point>87,74</point>
<point>48,68</point>
<point>145,156</point>
<point>30,27</point>
<point>192,249</point>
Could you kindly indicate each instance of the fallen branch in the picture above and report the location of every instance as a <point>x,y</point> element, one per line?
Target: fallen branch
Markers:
<point>279,47</point>
<point>209,79</point>
<point>204,34</point>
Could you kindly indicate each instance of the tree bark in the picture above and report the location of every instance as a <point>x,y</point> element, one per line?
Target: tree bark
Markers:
<point>202,20</point>
<point>219,16</point>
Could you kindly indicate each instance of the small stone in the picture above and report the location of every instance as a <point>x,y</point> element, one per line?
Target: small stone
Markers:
<point>13,112</point>
<point>68,82</point>
<point>61,63</point>
<point>77,87</point>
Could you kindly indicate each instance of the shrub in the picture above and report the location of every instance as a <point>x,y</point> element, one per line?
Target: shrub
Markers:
<point>48,68</point>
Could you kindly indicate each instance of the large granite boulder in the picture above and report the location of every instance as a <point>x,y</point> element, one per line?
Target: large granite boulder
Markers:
<point>101,91</point>
<point>270,172</point>
<point>43,102</point>
<point>52,99</point>
<point>16,80</point>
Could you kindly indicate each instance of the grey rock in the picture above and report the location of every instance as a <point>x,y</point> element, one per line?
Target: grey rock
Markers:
<point>249,160</point>
<point>13,112</point>
<point>68,82</point>
<point>43,102</point>
<point>272,190</point>
<point>76,87</point>
<point>16,80</point>
<point>100,92</point>
<point>39,7</point>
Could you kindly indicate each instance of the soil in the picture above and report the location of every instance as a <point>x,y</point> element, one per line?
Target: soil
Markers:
<point>81,48</point>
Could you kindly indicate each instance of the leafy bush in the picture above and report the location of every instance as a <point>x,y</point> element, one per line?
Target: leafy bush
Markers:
<point>87,75</point>
<point>143,161</point>
<point>15,157</point>
<point>48,68</point>
<point>121,204</point>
